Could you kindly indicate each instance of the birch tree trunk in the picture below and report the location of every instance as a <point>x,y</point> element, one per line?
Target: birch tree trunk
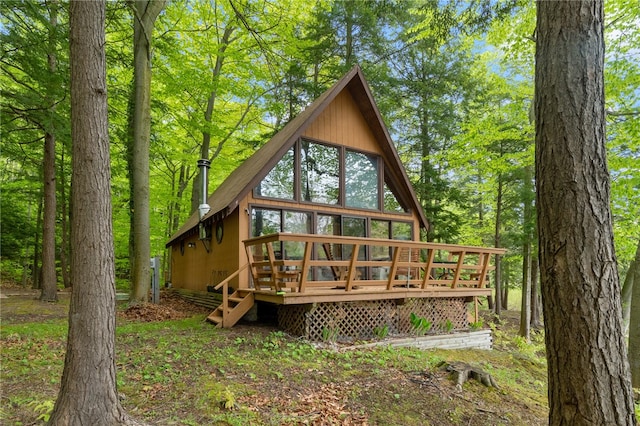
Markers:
<point>589,379</point>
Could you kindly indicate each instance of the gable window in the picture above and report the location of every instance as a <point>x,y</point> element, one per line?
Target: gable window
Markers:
<point>319,173</point>
<point>325,174</point>
<point>390,202</point>
<point>279,183</point>
<point>361,180</point>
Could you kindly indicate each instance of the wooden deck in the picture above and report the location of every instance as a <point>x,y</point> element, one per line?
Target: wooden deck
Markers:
<point>302,268</point>
<point>294,269</point>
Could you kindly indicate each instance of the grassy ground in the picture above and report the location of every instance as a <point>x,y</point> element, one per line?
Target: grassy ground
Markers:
<point>186,372</point>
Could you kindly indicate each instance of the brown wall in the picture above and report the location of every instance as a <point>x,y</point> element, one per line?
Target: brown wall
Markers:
<point>342,123</point>
<point>195,269</point>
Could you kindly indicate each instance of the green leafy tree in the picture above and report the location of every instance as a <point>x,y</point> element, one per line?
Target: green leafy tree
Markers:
<point>35,73</point>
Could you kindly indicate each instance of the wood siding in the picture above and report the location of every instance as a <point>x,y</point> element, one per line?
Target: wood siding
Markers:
<point>195,269</point>
<point>343,124</point>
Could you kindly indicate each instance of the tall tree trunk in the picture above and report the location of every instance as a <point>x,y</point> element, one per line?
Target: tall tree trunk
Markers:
<point>627,290</point>
<point>64,227</point>
<point>49,285</point>
<point>49,289</point>
<point>525,307</point>
<point>35,269</point>
<point>589,376</point>
<point>25,257</point>
<point>536,298</point>
<point>88,394</point>
<point>208,114</point>
<point>145,13</point>
<point>634,321</point>
<point>498,271</point>
<point>505,286</point>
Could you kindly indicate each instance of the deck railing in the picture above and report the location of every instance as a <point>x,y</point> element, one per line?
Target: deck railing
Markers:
<point>305,262</point>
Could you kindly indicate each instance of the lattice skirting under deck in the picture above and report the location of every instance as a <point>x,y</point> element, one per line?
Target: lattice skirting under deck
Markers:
<point>347,321</point>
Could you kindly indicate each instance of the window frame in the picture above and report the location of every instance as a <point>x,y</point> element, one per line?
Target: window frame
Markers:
<point>342,152</point>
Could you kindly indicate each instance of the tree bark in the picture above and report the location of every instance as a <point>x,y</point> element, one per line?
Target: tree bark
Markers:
<point>49,285</point>
<point>88,394</point>
<point>589,379</point>
<point>627,290</point>
<point>64,227</point>
<point>527,284</point>
<point>525,307</point>
<point>498,270</point>
<point>634,322</point>
<point>536,299</point>
<point>35,269</point>
<point>145,13</point>
<point>49,288</point>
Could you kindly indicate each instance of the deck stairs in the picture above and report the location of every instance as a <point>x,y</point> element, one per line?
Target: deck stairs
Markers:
<point>238,304</point>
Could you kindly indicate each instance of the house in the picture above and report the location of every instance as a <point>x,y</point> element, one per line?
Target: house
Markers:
<point>323,218</point>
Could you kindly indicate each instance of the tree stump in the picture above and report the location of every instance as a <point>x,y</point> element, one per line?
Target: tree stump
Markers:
<point>461,372</point>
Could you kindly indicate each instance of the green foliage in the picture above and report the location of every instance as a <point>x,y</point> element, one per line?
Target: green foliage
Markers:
<point>454,85</point>
<point>43,409</point>
<point>477,325</point>
<point>448,326</point>
<point>381,332</point>
<point>421,325</point>
<point>330,334</point>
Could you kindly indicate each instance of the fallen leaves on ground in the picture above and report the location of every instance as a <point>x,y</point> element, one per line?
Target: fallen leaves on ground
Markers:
<point>325,405</point>
<point>171,307</point>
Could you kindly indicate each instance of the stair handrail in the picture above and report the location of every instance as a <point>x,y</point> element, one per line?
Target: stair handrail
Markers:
<point>225,290</point>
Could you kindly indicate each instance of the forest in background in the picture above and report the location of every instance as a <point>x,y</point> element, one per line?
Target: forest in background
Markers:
<point>453,81</point>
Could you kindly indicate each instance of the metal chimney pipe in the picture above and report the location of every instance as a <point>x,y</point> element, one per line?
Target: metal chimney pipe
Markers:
<point>203,208</point>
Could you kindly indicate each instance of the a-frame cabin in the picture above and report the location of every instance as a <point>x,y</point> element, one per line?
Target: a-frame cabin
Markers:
<point>324,215</point>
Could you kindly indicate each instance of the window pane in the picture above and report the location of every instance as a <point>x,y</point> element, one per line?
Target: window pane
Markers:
<point>279,182</point>
<point>297,222</point>
<point>320,171</point>
<point>361,180</point>
<point>328,225</point>
<point>391,203</point>
<point>353,227</point>
<point>264,222</point>
<point>380,229</point>
<point>401,231</point>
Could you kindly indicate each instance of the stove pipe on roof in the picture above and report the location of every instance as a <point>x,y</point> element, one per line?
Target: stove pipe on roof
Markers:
<point>203,208</point>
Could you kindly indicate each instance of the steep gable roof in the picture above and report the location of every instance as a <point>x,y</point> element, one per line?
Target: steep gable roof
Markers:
<point>245,177</point>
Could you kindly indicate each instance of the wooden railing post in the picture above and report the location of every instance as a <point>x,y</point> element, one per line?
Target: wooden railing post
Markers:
<point>308,248</point>
<point>352,266</point>
<point>427,271</point>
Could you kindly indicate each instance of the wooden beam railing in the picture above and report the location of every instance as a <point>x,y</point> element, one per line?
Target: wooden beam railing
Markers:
<point>301,262</point>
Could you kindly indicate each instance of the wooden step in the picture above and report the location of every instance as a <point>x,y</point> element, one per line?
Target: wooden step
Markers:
<point>215,317</point>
